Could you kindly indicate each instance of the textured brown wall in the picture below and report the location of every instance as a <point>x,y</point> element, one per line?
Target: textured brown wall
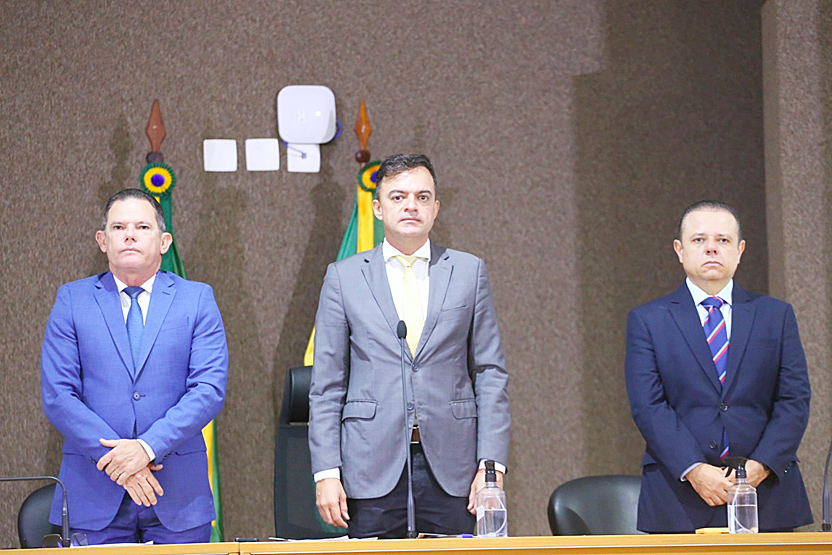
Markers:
<point>797,47</point>
<point>568,135</point>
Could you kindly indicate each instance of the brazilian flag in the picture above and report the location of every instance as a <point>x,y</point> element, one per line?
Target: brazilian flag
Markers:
<point>363,233</point>
<point>158,180</point>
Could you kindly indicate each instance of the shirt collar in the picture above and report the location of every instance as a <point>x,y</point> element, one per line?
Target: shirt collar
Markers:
<point>147,286</point>
<point>726,294</point>
<point>388,251</point>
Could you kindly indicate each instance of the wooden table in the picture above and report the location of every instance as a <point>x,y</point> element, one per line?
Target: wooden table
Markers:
<point>660,544</point>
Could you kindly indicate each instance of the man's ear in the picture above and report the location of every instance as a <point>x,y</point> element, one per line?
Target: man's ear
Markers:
<point>101,239</point>
<point>167,240</point>
<point>741,249</point>
<point>677,246</point>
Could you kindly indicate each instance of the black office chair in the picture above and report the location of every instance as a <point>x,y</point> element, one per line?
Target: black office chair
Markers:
<point>33,518</point>
<point>595,505</point>
<point>295,513</point>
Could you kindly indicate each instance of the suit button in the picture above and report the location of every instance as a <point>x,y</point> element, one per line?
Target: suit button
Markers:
<point>723,407</point>
<point>136,395</point>
<point>415,367</point>
<point>712,445</point>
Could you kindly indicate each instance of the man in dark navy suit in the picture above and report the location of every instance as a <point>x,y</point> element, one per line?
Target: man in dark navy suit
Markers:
<point>714,371</point>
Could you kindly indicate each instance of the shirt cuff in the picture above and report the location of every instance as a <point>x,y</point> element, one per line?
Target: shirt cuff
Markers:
<point>147,449</point>
<point>688,469</point>
<point>329,473</point>
<point>501,468</point>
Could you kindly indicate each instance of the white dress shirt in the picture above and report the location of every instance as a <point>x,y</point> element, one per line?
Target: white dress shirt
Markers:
<point>726,294</point>
<point>144,297</point>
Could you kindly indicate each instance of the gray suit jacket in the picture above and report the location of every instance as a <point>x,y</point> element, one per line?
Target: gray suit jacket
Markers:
<point>457,379</point>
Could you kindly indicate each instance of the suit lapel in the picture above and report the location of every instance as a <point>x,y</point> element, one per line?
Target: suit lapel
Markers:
<point>107,296</point>
<point>742,317</point>
<point>376,275</point>
<point>160,300</point>
<point>440,278</point>
<point>686,317</point>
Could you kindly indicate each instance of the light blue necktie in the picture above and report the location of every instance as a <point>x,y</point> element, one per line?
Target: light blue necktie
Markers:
<point>135,323</point>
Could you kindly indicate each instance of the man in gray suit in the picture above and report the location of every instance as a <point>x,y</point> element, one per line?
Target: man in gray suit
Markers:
<point>457,405</point>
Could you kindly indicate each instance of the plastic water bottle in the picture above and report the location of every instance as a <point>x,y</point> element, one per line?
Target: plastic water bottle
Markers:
<point>742,505</point>
<point>492,517</point>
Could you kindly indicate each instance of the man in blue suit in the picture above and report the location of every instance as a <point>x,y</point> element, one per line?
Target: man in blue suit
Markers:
<point>713,371</point>
<point>133,366</point>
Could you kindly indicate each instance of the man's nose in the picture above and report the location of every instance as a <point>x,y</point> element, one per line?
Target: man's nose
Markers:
<point>710,245</point>
<point>130,232</point>
<point>410,202</point>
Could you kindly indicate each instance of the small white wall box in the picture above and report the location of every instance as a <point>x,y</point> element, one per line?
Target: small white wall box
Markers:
<point>262,155</point>
<point>220,155</point>
<point>305,120</point>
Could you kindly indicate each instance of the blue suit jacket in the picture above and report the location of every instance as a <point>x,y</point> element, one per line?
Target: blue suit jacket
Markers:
<point>680,407</point>
<point>91,390</point>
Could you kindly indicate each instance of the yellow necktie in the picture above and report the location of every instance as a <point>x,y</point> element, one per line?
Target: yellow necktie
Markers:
<point>411,303</point>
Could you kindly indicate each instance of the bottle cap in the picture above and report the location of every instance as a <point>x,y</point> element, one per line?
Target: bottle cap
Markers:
<point>490,473</point>
<point>741,475</point>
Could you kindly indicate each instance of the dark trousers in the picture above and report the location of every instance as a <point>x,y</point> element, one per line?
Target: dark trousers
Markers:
<point>436,511</point>
<point>139,524</point>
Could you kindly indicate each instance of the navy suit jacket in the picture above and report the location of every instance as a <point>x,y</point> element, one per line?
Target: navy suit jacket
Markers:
<point>680,408</point>
<point>91,390</point>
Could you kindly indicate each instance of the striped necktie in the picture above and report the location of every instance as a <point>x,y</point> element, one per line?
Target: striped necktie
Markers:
<point>411,303</point>
<point>135,322</point>
<point>716,334</point>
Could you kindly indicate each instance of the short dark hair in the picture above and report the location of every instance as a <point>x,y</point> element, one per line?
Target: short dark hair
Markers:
<point>713,205</point>
<point>137,194</point>
<point>402,163</point>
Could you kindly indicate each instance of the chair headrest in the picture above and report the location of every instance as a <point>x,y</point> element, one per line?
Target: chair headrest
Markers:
<point>295,409</point>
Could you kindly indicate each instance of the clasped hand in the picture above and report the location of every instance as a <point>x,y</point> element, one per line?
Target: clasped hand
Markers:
<point>128,464</point>
<point>711,483</point>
